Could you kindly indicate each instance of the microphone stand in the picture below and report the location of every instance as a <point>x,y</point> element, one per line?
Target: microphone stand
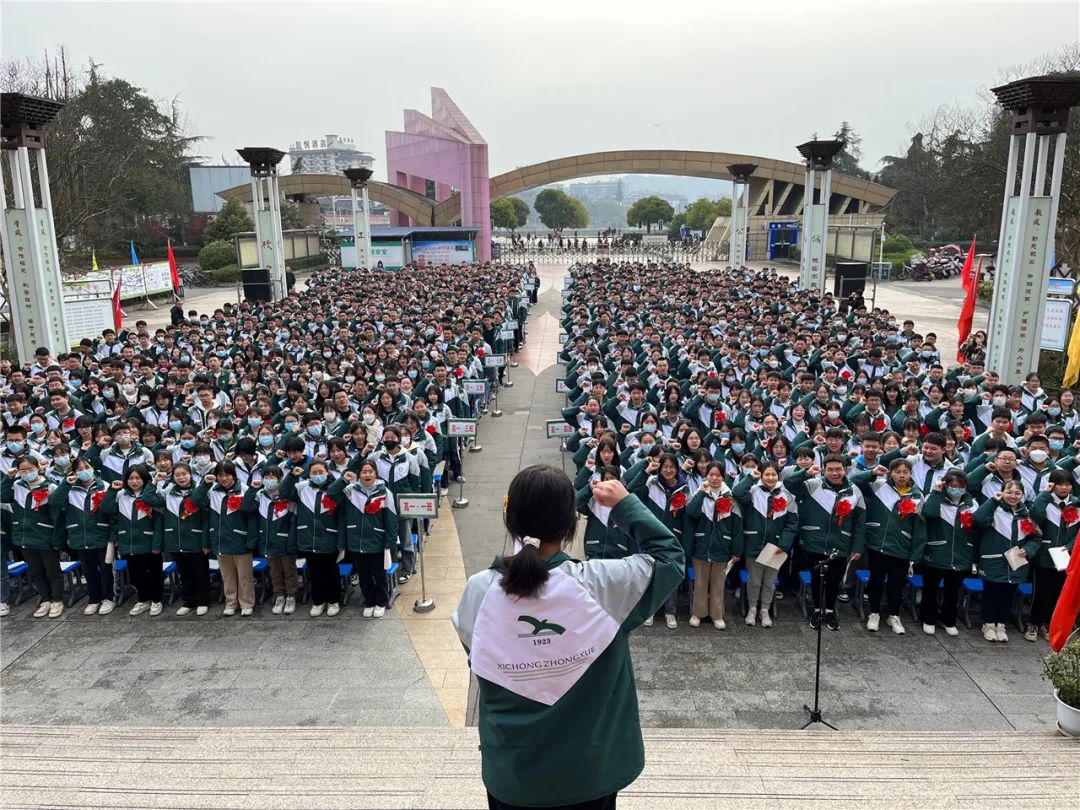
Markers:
<point>815,713</point>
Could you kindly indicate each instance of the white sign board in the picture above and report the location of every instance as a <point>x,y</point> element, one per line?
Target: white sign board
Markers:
<point>566,294</point>
<point>412,506</point>
<point>87,317</point>
<point>156,274</point>
<point>1055,325</point>
<point>461,427</point>
<point>495,361</point>
<point>510,324</point>
<point>507,334</point>
<point>557,428</point>
<point>474,387</point>
<point>563,338</point>
<point>560,386</point>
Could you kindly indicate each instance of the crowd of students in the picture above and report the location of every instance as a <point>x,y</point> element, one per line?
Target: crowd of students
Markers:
<point>274,430</point>
<point>774,431</point>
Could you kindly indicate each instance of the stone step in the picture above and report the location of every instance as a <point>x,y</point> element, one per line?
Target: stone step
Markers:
<point>100,767</point>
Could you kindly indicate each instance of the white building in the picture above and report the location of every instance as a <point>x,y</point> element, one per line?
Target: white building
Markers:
<point>327,154</point>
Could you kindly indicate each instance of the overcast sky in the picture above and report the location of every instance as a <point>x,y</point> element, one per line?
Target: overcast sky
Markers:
<point>546,79</point>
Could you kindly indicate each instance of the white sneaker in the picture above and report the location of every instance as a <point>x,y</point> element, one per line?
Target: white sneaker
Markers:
<point>317,610</point>
<point>873,622</point>
<point>246,611</point>
<point>952,631</point>
<point>648,621</point>
<point>183,610</point>
<point>4,609</point>
<point>720,624</point>
<point>695,621</point>
<point>42,611</point>
<point>333,609</point>
<point>766,619</point>
<point>999,631</point>
<point>671,623</point>
<point>229,611</point>
<point>279,606</point>
<point>155,608</point>
<point>929,629</point>
<point>91,609</point>
<point>139,608</point>
<point>379,612</point>
<point>751,617</point>
<point>56,609</point>
<point>290,605</point>
<point>202,610</point>
<point>106,608</point>
<point>894,623</point>
<point>368,611</point>
<point>988,632</point>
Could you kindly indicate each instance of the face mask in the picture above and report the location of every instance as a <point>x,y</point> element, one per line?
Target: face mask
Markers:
<point>28,477</point>
<point>738,447</point>
<point>645,448</point>
<point>271,484</point>
<point>956,493</point>
<point>38,428</point>
<point>1057,444</point>
<point>175,425</point>
<point>318,479</point>
<point>369,418</point>
<point>330,416</point>
<point>266,441</point>
<point>314,431</point>
<point>380,378</point>
<point>292,427</point>
<point>1038,456</point>
<point>999,402</point>
<point>63,462</point>
<point>1054,411</point>
<point>224,438</point>
<point>390,445</point>
<point>187,444</point>
<point>254,422</point>
<point>203,461</point>
<point>123,441</point>
<point>713,398</point>
<point>85,475</point>
<point>15,447</point>
<point>406,441</point>
<point>649,428</point>
<point>834,414</point>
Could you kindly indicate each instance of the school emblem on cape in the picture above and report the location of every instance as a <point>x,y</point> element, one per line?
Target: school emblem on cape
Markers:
<point>540,627</point>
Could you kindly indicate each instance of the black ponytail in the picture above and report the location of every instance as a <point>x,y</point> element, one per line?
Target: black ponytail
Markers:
<point>540,504</point>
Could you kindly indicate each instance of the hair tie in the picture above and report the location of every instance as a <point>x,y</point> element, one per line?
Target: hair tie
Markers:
<point>530,541</point>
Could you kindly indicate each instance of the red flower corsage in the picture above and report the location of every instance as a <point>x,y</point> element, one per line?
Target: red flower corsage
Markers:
<point>187,509</point>
<point>845,374</point>
<point>143,508</point>
<point>1028,527</point>
<point>843,509</point>
<point>430,429</point>
<point>1070,514</point>
<point>280,508</point>
<point>778,504</point>
<point>924,429</point>
<point>459,372</point>
<point>96,499</point>
<point>723,507</point>
<point>678,501</point>
<point>328,505</point>
<point>233,503</point>
<point>38,498</point>
<point>374,505</point>
<point>907,507</point>
<point>966,521</point>
<point>967,434</point>
<point>879,424</point>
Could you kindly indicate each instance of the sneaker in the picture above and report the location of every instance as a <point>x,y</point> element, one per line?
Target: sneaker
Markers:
<point>155,608</point>
<point>354,580</point>
<point>317,610</point>
<point>370,609</point>
<point>404,578</point>
<point>379,612</point>
<point>1044,632</point>
<point>649,621</point>
<point>56,609</point>
<point>290,605</point>
<point>766,620</point>
<point>671,623</point>
<point>460,479</point>
<point>443,492</point>
<point>333,609</point>
<point>1032,633</point>
<point>751,617</point>
<point>106,608</point>
<point>279,606</point>
<point>779,595</point>
<point>246,611</point>
<point>94,607</point>
<point>895,624</point>
<point>999,631</point>
<point>929,629</point>
<point>4,609</point>
<point>815,619</point>
<point>229,611</point>
<point>183,610</point>
<point>720,624</point>
<point>843,596</point>
<point>42,611</point>
<point>952,631</point>
<point>832,620</point>
<point>988,632</point>
<point>873,622</point>
<point>202,610</point>
<point>139,608</point>
<point>695,621</point>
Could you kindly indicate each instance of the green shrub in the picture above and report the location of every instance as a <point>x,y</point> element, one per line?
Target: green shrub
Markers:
<point>897,243</point>
<point>986,291</point>
<point>217,254</point>
<point>308,262</point>
<point>1062,669</point>
<point>229,274</point>
<point>899,258</point>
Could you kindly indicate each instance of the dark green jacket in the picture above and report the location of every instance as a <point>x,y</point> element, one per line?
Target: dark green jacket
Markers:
<point>371,522</point>
<point>822,529</point>
<point>36,519</point>
<point>277,524</point>
<point>1057,532</point>
<point>888,530</point>
<point>758,528</point>
<point>950,536</point>
<point>604,540</point>
<point>713,526</point>
<point>86,524</point>
<point>186,529</point>
<point>319,517</point>
<point>1001,529</point>
<point>137,520</point>
<point>230,517</point>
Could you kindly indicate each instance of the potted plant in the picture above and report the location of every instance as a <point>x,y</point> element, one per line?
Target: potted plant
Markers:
<point>1062,669</point>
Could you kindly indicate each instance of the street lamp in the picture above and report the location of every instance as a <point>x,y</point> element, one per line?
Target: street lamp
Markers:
<point>359,178</point>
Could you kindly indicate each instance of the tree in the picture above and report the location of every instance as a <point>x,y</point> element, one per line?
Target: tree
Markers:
<point>703,212</point>
<point>649,211</point>
<point>217,254</point>
<point>521,212</point>
<point>231,219</point>
<point>559,210</point>
<point>505,215</point>
<point>291,218</point>
<point>847,160</point>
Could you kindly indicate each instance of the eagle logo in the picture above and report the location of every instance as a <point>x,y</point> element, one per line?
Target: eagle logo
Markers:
<point>541,627</point>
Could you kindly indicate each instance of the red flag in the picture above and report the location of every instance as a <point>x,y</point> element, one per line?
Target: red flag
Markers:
<point>174,274</point>
<point>1068,605</point>
<point>117,312</point>
<point>970,279</point>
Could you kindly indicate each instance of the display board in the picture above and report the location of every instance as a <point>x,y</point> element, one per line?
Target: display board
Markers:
<point>443,252</point>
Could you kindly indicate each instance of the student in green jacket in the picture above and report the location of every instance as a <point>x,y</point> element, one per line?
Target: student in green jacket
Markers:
<point>187,540</point>
<point>951,535</point>
<point>233,534</point>
<point>603,539</point>
<point>1005,523</point>
<point>769,515</point>
<point>139,538</point>
<point>1057,513</point>
<point>714,534</point>
<point>36,512</point>
<point>558,707</point>
<point>277,538</point>
<point>89,532</point>
<point>370,532</point>
<point>895,536</point>
<point>320,535</point>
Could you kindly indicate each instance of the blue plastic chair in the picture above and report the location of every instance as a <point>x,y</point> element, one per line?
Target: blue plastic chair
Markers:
<point>20,579</point>
<point>70,570</point>
<point>1024,592</point>
<point>168,570</point>
<point>302,573</point>
<point>972,586</point>
<point>345,570</point>
<point>914,593</point>
<point>260,570</point>
<point>121,581</point>
<point>805,599</point>
<point>862,579</point>
<point>392,589</point>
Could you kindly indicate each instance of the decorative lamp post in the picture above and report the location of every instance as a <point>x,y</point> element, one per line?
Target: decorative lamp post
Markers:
<point>740,211</point>
<point>359,178</point>
<point>266,199</point>
<point>815,226</point>
<point>34,291</point>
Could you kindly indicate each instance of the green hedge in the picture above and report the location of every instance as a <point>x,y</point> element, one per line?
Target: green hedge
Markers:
<point>308,262</point>
<point>897,243</point>
<point>900,258</point>
<point>217,254</point>
<point>229,274</point>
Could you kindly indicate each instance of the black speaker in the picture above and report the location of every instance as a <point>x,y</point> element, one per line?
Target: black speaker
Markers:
<point>256,283</point>
<point>850,278</point>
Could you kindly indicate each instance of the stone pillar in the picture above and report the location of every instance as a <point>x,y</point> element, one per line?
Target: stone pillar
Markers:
<point>815,228</point>
<point>740,211</point>
<point>34,290</point>
<point>1040,116</point>
<point>361,218</point>
<point>266,201</point>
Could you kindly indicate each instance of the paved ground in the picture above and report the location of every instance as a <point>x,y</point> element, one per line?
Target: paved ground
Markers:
<point>401,670</point>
